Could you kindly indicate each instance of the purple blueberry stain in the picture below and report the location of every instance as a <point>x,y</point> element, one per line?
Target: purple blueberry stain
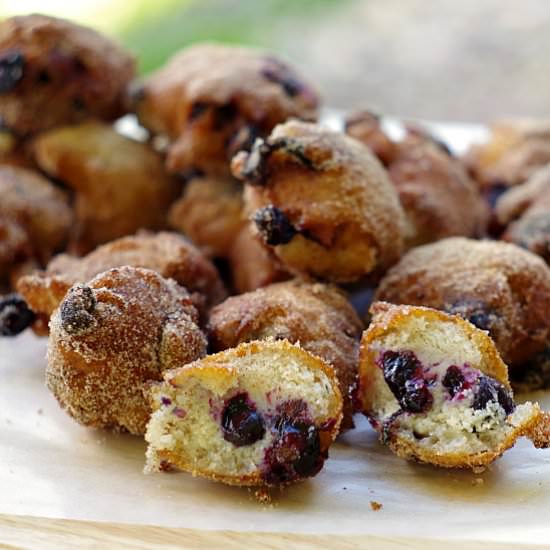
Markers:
<point>180,413</point>
<point>296,451</point>
<point>404,374</point>
<point>11,70</point>
<point>242,424</point>
<point>165,401</point>
<point>454,380</point>
<point>490,390</point>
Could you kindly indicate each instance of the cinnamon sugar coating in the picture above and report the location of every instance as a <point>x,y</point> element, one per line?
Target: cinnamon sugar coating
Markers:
<point>525,210</point>
<point>515,151</point>
<point>120,184</point>
<point>316,316</point>
<point>439,198</point>
<point>35,219</point>
<point>252,265</point>
<point>322,202</point>
<point>496,286</point>
<point>211,100</point>
<point>168,254</point>
<point>111,337</point>
<point>209,212</point>
<point>56,72</point>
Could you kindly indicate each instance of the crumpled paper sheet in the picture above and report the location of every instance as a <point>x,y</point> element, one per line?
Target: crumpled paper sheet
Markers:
<point>52,467</point>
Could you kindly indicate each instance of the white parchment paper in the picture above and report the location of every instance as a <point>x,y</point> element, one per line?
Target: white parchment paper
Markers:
<point>52,467</point>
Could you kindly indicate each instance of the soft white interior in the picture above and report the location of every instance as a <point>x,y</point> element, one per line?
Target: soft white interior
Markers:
<point>268,377</point>
<point>450,425</point>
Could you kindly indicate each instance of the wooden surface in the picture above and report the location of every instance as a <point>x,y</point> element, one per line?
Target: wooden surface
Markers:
<point>48,534</point>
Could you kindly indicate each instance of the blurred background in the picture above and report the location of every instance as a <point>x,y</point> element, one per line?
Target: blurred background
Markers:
<point>466,60</point>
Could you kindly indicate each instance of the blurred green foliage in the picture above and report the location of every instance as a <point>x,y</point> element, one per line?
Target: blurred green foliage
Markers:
<point>153,37</point>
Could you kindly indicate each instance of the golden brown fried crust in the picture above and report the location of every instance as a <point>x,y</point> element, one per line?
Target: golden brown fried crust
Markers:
<point>540,432</point>
<point>169,254</point>
<point>215,366</point>
<point>366,128</point>
<point>111,337</point>
<point>526,208</point>
<point>497,286</point>
<point>60,73</point>
<point>252,264</point>
<point>439,198</point>
<point>316,316</point>
<point>387,318</point>
<point>328,196</point>
<point>210,99</point>
<point>120,185</point>
<point>14,152</point>
<point>210,213</point>
<point>515,151</point>
<point>35,218</point>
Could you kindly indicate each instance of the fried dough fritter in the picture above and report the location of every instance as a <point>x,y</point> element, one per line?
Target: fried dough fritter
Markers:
<point>111,337</point>
<point>120,184</point>
<point>322,201</point>
<point>211,100</point>
<point>54,72</point>
<point>316,316</point>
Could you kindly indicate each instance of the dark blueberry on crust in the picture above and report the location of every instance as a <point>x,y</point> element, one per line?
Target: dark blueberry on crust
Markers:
<point>489,390</point>
<point>197,109</point>
<point>453,380</point>
<point>495,190</point>
<point>43,77</point>
<point>476,312</point>
<point>15,316</point>
<point>223,115</point>
<point>280,74</point>
<point>11,70</point>
<point>403,374</point>
<point>437,141</point>
<point>274,226</point>
<point>255,169</point>
<point>76,309</point>
<point>242,424</point>
<point>136,92</point>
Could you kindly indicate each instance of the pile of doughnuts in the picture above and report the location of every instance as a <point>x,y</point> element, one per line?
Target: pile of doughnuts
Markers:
<point>208,286</point>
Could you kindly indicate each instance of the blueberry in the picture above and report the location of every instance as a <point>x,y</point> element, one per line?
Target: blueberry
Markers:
<point>281,75</point>
<point>295,454</point>
<point>15,316</point>
<point>489,390</point>
<point>11,70</point>
<point>241,423</point>
<point>76,309</point>
<point>416,398</point>
<point>476,312</point>
<point>403,374</point>
<point>274,226</point>
<point>453,380</point>
<point>197,109</point>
